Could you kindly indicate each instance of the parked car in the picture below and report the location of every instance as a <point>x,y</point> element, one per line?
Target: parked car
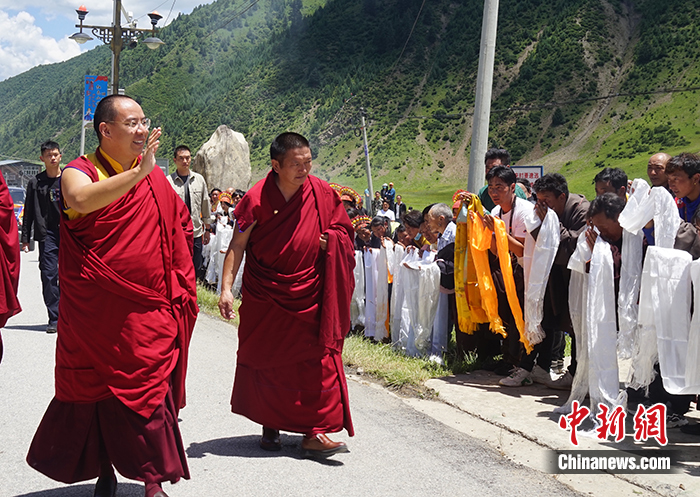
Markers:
<point>18,196</point>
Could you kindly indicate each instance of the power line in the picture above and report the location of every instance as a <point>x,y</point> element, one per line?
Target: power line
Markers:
<point>407,39</point>
<point>233,18</point>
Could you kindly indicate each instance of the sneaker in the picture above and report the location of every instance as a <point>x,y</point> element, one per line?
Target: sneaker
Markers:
<point>562,383</point>
<point>518,378</point>
<point>52,328</point>
<point>674,420</point>
<point>557,366</point>
<point>539,375</point>
<point>436,359</point>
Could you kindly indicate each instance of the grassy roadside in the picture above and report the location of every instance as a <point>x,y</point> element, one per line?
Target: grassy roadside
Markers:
<point>378,361</point>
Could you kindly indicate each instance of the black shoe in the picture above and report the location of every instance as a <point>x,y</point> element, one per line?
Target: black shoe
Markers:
<point>503,368</point>
<point>691,429</point>
<point>106,486</point>
<point>270,440</point>
<point>52,328</point>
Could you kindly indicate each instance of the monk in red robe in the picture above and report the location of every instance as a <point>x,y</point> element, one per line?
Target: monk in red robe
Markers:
<point>9,258</point>
<point>295,310</point>
<point>127,310</point>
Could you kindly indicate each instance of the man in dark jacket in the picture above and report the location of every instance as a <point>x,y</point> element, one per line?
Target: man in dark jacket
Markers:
<point>42,212</point>
<point>571,209</point>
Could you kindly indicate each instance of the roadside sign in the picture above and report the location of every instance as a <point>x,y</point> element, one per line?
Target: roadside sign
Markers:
<point>95,90</point>
<point>530,173</point>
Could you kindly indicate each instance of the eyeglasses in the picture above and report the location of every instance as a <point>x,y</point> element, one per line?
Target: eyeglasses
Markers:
<point>133,123</point>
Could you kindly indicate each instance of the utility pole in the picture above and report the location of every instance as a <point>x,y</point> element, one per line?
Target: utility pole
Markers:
<point>484,89</point>
<point>368,168</point>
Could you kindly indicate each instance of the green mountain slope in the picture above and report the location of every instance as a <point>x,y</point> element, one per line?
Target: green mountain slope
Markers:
<point>311,65</point>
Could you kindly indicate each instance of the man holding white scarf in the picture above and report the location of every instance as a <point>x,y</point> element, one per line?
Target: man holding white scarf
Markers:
<point>571,209</point>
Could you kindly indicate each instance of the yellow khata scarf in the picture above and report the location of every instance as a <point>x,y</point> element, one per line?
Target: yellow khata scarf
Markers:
<point>480,244</point>
<point>468,298</point>
<point>509,281</point>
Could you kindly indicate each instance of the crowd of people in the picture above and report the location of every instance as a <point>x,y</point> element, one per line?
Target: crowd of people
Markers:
<point>516,267</point>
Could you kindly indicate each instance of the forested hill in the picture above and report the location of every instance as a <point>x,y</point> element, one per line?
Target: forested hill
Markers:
<point>310,65</point>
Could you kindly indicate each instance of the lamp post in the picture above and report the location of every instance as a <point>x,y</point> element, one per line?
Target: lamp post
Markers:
<point>116,35</point>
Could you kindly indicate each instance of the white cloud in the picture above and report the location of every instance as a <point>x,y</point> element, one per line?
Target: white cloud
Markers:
<point>28,40</point>
<point>23,45</point>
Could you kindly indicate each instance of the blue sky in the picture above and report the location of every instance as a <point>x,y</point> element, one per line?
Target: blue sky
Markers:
<point>34,32</point>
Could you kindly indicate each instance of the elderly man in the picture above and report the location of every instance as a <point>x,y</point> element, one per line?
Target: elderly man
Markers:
<point>656,169</point>
<point>192,189</point>
<point>127,310</point>
<point>295,311</point>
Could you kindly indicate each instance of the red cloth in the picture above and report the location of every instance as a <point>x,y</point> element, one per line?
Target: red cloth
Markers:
<point>128,298</point>
<point>295,309</point>
<point>148,450</point>
<point>9,257</point>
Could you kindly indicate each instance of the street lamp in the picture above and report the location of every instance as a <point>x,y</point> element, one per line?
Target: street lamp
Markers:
<point>116,35</point>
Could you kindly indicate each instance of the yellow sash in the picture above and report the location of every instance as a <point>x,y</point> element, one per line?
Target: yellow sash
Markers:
<point>507,271</point>
<point>480,244</point>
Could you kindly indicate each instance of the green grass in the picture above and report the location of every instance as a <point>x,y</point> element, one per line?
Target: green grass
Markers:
<point>381,361</point>
<point>208,302</point>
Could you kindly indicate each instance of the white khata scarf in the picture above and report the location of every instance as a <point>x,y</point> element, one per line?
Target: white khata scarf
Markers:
<point>370,257</point>
<point>537,263</point>
<point>357,304</point>
<point>692,361</point>
<point>644,205</point>
<point>664,313</point>
<point>592,308</point>
<point>414,302</point>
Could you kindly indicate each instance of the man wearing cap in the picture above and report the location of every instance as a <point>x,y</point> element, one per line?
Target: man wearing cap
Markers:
<point>391,195</point>
<point>295,305</point>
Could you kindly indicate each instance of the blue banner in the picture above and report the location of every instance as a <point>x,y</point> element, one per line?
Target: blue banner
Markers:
<point>95,90</point>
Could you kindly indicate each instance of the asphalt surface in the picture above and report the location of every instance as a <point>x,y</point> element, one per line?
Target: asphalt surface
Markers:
<point>402,447</point>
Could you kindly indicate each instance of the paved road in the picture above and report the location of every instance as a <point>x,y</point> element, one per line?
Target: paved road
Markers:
<point>397,450</point>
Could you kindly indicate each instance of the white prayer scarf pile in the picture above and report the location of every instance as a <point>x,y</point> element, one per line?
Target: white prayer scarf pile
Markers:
<point>414,302</point>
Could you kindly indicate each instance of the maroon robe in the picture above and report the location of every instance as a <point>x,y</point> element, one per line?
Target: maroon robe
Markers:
<point>295,309</point>
<point>9,258</point>
<point>127,310</point>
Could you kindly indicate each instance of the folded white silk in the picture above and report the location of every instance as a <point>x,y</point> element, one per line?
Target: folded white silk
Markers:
<point>664,316</point>
<point>538,259</point>
<point>357,304</point>
<point>592,309</point>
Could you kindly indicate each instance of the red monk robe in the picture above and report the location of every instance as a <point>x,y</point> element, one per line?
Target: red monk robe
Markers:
<point>127,310</point>
<point>9,258</point>
<point>295,309</point>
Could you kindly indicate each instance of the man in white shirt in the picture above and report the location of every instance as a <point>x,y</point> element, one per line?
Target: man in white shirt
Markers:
<point>512,210</point>
<point>386,211</point>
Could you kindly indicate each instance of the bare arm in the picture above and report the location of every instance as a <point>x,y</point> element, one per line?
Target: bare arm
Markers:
<point>232,262</point>
<point>84,196</point>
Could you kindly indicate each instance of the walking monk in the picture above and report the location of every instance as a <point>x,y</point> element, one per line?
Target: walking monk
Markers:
<point>9,258</point>
<point>127,310</point>
<point>295,311</point>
